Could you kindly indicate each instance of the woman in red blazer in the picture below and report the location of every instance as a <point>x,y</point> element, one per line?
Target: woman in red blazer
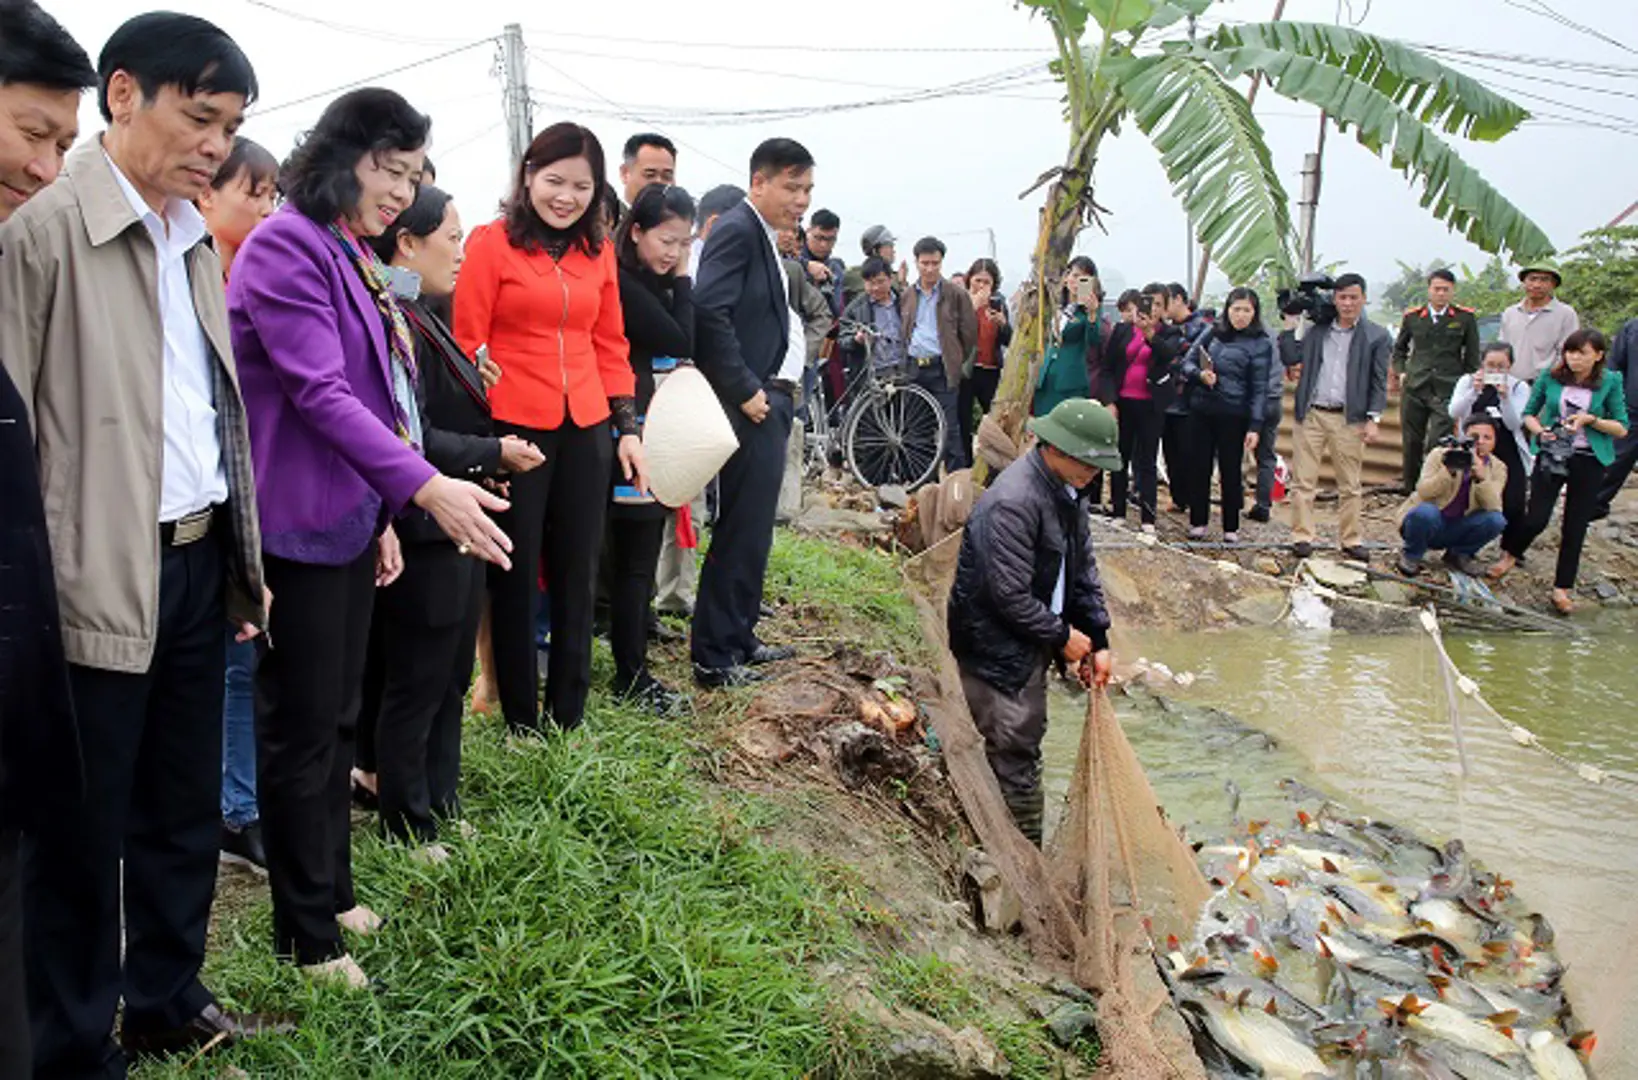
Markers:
<point>541,290</point>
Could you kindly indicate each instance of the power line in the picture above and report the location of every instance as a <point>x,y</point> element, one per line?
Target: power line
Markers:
<point>1544,10</point>
<point>787,46</point>
<point>260,112</point>
<point>759,72</point>
<point>469,140</point>
<point>373,33</point>
<point>627,114</point>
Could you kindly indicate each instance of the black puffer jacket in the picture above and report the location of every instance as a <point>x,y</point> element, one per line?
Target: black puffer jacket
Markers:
<point>999,616</point>
<point>1241,363</point>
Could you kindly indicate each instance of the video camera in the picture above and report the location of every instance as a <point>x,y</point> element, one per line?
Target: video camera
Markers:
<point>1458,452</point>
<point>1314,297</point>
<point>1554,454</point>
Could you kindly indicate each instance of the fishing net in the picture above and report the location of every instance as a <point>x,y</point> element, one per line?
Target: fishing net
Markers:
<point>1114,868</point>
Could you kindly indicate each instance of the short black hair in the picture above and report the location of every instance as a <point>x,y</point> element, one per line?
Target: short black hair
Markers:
<point>1130,296</point>
<point>1176,291</point>
<point>647,138</point>
<point>654,206</point>
<point>824,219</point>
<point>718,200</point>
<point>1155,288</point>
<point>248,157</point>
<point>780,155</point>
<point>1349,279</point>
<point>35,49</point>
<point>1441,274</point>
<point>927,245</point>
<point>163,48</point>
<point>1497,346</point>
<point>1475,419</point>
<point>429,171</point>
<point>874,266</point>
<point>320,176</point>
<point>423,217</point>
<point>1084,264</point>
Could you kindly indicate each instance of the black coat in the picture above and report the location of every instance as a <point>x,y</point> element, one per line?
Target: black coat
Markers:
<point>999,615</point>
<point>39,742</point>
<point>456,429</point>
<point>1241,363</point>
<point>659,323</point>
<point>742,315</point>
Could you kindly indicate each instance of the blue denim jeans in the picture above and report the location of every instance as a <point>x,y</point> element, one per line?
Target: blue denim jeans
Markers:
<point>239,736</point>
<point>1425,527</point>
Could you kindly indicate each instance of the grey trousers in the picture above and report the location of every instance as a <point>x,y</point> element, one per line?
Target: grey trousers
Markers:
<point>1013,726</point>
<point>677,577</point>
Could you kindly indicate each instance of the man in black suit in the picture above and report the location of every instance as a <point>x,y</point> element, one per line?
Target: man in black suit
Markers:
<point>42,74</point>
<point>750,344</point>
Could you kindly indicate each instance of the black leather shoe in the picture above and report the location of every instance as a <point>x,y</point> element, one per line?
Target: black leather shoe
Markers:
<point>1302,549</point>
<point>1408,567</point>
<point>650,693</point>
<point>723,678</point>
<point>769,654</point>
<point>244,847</point>
<point>212,1027</point>
<point>1258,513</point>
<point>1357,553</point>
<point>662,631</point>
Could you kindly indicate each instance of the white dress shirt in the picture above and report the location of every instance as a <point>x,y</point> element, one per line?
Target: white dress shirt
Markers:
<point>796,342</point>
<point>192,476</point>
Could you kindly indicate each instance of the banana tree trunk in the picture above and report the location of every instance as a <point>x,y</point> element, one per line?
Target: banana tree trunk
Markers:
<point>1034,326</point>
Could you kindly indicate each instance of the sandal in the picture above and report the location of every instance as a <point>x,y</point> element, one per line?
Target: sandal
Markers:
<point>1501,566</point>
<point>1562,602</point>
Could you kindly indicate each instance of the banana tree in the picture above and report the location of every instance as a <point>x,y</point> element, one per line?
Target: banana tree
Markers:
<point>1182,94</point>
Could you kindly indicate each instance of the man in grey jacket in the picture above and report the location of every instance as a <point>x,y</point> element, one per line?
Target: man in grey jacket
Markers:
<point>1341,394</point>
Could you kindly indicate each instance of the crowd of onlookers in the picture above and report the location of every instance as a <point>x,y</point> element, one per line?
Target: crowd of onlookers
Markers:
<point>288,451</point>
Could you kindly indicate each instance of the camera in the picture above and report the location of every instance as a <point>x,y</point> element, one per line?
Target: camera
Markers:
<point>1314,297</point>
<point>1458,452</point>
<point>1553,455</point>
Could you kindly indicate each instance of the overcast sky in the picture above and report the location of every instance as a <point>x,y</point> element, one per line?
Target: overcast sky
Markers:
<point>953,166</point>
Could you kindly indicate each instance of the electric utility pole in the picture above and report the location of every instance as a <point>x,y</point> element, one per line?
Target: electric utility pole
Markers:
<point>1309,205</point>
<point>520,111</point>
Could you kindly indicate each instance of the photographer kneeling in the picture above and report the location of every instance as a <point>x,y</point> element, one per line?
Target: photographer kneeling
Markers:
<point>1457,504</point>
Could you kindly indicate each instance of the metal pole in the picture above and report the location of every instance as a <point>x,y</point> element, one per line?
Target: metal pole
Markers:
<point>1311,169</point>
<point>520,118</point>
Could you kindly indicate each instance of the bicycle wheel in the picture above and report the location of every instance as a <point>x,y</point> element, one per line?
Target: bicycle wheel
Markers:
<point>894,436</point>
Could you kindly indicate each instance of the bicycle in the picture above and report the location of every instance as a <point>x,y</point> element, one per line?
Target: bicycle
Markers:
<point>888,429</point>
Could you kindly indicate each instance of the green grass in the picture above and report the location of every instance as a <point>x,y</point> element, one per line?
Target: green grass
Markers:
<point>855,593</point>
<point>609,920</point>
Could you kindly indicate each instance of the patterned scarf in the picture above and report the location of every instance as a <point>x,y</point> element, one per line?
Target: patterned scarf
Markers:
<point>400,341</point>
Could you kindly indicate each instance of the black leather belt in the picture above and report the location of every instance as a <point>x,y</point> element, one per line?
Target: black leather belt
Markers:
<point>1329,408</point>
<point>784,386</point>
<point>188,529</point>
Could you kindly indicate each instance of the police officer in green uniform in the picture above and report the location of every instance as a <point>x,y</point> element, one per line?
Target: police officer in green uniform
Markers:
<point>1438,344</point>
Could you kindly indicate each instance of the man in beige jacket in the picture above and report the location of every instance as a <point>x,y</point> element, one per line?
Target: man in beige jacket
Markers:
<point>1457,504</point>
<point>113,325</point>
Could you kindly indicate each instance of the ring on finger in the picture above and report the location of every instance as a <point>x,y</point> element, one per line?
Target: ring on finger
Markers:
<point>464,549</point>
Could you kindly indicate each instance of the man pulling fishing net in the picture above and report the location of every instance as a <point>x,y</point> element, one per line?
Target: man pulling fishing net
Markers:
<point>1026,594</point>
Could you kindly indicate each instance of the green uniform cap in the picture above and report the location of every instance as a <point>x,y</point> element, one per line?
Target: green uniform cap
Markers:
<point>1542,266</point>
<point>1082,429</point>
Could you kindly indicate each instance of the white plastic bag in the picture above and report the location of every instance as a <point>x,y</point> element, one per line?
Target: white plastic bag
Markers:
<point>686,437</point>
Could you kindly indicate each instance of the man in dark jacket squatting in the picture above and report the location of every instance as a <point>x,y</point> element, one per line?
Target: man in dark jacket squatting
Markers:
<point>1026,593</point>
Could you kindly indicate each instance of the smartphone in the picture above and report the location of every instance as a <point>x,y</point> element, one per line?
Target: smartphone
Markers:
<point>1085,290</point>
<point>1495,378</point>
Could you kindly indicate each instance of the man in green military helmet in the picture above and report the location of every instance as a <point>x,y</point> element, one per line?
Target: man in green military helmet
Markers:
<point>1438,344</point>
<point>1027,595</point>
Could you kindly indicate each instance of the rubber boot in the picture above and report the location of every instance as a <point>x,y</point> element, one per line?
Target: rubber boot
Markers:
<point>1028,811</point>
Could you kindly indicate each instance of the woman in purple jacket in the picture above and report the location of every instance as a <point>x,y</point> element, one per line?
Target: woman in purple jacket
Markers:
<point>326,361</point>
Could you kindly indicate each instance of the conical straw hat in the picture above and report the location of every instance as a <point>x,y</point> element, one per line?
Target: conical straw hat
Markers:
<point>687,437</point>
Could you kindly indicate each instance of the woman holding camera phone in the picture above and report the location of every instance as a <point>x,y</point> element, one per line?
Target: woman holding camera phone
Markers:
<point>1581,401</point>
<point>1494,391</point>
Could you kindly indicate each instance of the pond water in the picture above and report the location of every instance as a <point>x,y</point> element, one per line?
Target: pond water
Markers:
<point>1364,718</point>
